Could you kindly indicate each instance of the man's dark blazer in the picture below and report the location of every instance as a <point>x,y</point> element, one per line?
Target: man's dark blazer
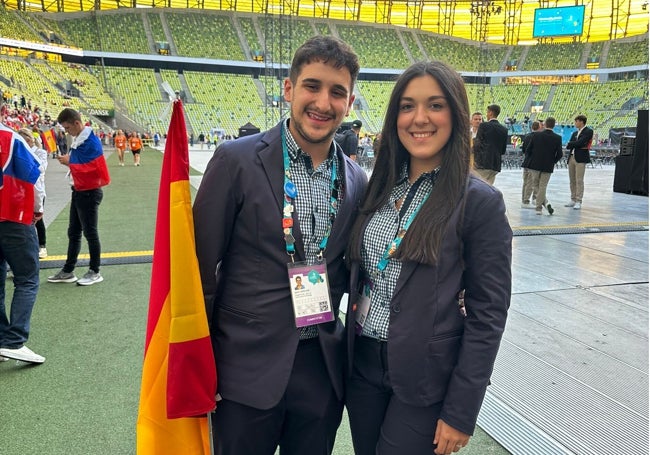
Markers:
<point>243,262</point>
<point>581,144</point>
<point>525,142</point>
<point>490,143</point>
<point>434,354</point>
<point>545,149</point>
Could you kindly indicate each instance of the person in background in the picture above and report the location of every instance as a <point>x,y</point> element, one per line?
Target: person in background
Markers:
<point>545,149</point>
<point>120,145</point>
<point>61,144</point>
<point>89,174</point>
<point>477,119</point>
<point>578,146</point>
<point>430,261</point>
<point>490,145</point>
<point>39,186</point>
<point>21,204</point>
<point>527,189</point>
<point>273,206</point>
<point>135,144</point>
<point>349,140</point>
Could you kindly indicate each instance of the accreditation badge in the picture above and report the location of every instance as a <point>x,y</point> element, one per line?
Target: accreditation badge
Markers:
<point>362,308</point>
<point>310,293</point>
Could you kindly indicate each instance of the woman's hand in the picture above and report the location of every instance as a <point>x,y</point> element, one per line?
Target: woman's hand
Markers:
<point>448,440</point>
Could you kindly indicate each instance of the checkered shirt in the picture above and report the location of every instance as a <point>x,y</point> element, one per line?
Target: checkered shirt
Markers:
<point>312,203</point>
<point>380,232</point>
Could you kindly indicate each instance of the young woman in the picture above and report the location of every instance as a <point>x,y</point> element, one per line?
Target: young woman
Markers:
<point>430,255</point>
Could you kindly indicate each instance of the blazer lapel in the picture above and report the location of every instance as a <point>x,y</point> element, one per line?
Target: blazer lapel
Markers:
<point>273,164</point>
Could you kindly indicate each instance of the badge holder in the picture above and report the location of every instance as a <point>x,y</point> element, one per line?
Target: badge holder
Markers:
<point>310,293</point>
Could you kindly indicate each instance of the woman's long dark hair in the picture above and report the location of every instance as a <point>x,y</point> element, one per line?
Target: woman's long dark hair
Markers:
<point>422,242</point>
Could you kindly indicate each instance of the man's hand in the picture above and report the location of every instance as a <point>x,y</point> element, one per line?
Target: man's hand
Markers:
<point>64,159</point>
<point>448,440</point>
<point>37,216</point>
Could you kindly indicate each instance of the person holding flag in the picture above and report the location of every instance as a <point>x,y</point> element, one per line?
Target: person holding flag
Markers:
<point>21,204</point>
<point>271,207</point>
<point>89,174</point>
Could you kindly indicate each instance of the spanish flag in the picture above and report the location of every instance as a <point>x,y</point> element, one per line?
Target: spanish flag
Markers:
<point>49,140</point>
<point>179,378</point>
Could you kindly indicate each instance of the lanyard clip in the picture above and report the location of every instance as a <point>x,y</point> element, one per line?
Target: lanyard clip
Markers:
<point>319,256</point>
<point>291,256</point>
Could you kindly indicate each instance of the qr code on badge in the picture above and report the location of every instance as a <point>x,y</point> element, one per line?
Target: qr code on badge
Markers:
<point>323,305</point>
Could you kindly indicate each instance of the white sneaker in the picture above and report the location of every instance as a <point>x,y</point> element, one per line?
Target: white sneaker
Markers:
<point>527,206</point>
<point>90,278</point>
<point>577,206</point>
<point>570,204</point>
<point>23,354</point>
<point>42,253</point>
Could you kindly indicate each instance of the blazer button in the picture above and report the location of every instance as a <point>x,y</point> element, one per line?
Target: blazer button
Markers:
<point>397,308</point>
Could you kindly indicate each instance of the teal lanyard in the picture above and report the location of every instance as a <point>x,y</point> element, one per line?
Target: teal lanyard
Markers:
<point>290,194</point>
<point>392,247</point>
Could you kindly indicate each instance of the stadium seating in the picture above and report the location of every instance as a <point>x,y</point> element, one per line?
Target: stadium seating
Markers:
<point>627,53</point>
<point>377,47</point>
<point>157,30</point>
<point>553,56</point>
<point>194,35</point>
<point>411,42</point>
<point>12,26</point>
<point>248,28</point>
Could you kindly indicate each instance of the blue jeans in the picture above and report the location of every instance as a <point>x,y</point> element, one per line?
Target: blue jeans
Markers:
<point>84,214</point>
<point>19,249</point>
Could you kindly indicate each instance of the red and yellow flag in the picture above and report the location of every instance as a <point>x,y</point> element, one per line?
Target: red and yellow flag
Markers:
<point>49,140</point>
<point>179,379</point>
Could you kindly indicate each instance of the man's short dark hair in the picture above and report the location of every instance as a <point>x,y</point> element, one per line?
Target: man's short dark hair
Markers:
<point>582,118</point>
<point>549,123</point>
<point>68,115</point>
<point>326,49</point>
<point>536,125</point>
<point>495,109</point>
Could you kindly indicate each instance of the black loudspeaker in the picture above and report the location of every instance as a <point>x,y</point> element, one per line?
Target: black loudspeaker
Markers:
<point>627,145</point>
<point>639,177</point>
<point>623,173</point>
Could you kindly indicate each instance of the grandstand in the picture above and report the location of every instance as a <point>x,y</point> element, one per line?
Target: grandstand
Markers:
<point>607,79</point>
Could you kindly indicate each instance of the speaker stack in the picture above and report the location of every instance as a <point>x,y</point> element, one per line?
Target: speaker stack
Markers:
<point>631,174</point>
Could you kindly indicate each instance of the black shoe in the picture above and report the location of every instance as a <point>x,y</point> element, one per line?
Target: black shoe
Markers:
<point>550,209</point>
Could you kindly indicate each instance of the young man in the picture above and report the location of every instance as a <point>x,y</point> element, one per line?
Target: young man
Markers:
<point>89,173</point>
<point>489,145</point>
<point>270,207</point>
<point>578,147</point>
<point>21,204</point>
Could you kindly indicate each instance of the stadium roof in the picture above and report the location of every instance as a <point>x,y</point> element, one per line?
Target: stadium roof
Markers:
<point>496,22</point>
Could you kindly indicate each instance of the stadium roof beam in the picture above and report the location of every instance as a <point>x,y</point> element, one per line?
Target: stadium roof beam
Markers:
<point>414,13</point>
<point>619,18</point>
<point>512,24</point>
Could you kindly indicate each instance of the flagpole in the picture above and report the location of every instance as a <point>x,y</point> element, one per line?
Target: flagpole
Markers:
<point>210,432</point>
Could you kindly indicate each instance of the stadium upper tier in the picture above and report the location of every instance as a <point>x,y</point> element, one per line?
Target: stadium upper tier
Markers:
<point>495,21</point>
<point>246,37</point>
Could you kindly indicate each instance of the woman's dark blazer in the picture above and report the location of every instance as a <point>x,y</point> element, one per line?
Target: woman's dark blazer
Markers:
<point>434,353</point>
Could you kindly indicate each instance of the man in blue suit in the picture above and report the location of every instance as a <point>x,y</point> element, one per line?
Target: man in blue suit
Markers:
<point>272,206</point>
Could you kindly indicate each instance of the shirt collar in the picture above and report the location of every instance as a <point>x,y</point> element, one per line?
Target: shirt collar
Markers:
<point>295,151</point>
<point>404,174</point>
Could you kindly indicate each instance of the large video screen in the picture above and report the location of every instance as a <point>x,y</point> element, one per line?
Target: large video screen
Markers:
<point>560,21</point>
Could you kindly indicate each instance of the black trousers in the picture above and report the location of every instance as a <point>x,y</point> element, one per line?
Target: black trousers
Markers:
<point>380,423</point>
<point>303,422</point>
<point>84,215</point>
